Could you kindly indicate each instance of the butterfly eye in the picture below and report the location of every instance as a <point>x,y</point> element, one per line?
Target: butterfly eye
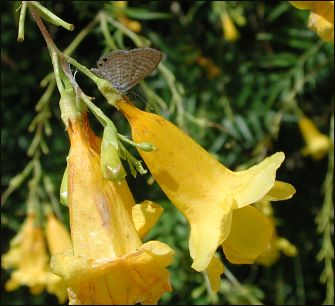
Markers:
<point>104,59</point>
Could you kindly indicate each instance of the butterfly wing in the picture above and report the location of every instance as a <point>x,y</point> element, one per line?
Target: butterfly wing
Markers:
<point>124,69</point>
<point>144,61</point>
<point>116,67</point>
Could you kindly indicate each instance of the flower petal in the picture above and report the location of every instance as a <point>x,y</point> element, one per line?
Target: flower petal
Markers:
<point>139,276</point>
<point>98,217</point>
<point>256,181</point>
<point>303,5</point>
<point>213,272</point>
<point>317,144</point>
<point>12,284</point>
<point>58,237</point>
<point>280,191</point>
<point>145,215</point>
<point>249,236</point>
<point>208,230</point>
<point>56,286</point>
<point>321,20</point>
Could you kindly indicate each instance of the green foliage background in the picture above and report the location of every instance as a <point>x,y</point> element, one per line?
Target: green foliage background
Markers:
<point>241,116</point>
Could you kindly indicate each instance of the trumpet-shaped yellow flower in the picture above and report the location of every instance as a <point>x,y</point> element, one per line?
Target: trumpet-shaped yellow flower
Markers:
<point>209,195</point>
<point>108,263</point>
<point>229,29</point>
<point>11,259</point>
<point>277,244</point>
<point>321,19</point>
<point>28,256</point>
<point>58,239</point>
<point>317,144</point>
<point>144,215</point>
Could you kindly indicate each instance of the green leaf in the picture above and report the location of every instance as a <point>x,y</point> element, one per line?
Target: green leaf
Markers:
<point>142,14</point>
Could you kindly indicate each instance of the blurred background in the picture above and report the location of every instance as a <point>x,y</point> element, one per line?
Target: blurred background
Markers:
<point>237,77</point>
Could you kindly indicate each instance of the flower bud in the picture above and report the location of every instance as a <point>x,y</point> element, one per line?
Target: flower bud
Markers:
<point>111,165</point>
<point>145,146</point>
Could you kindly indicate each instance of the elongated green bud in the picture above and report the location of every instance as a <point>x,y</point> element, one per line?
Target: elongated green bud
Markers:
<point>63,195</point>
<point>111,165</point>
<point>145,146</point>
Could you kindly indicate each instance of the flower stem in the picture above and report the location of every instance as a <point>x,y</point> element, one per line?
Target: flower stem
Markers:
<point>48,39</point>
<point>104,120</point>
<point>139,41</point>
<point>104,28</point>
<point>54,58</point>
<point>325,222</point>
<point>82,68</point>
<point>78,39</point>
<point>16,182</point>
<point>20,36</point>
<point>51,17</point>
<point>243,291</point>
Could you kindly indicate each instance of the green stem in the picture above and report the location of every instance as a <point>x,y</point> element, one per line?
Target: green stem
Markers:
<point>299,278</point>
<point>48,39</point>
<point>46,96</point>
<point>16,181</point>
<point>176,97</point>
<point>51,17</point>
<point>103,119</point>
<point>49,187</point>
<point>153,96</point>
<point>134,37</point>
<point>126,139</point>
<point>144,146</point>
<point>82,68</point>
<point>48,78</point>
<point>104,28</point>
<point>243,291</point>
<point>20,36</point>
<point>78,39</point>
<point>33,200</point>
<point>55,63</point>
<point>325,222</point>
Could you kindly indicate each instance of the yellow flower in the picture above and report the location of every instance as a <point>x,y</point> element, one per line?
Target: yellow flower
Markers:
<point>229,30</point>
<point>11,259</point>
<point>144,215</point>
<point>317,144</point>
<point>277,244</point>
<point>28,256</point>
<point>213,198</point>
<point>249,235</point>
<point>58,239</point>
<point>133,25</point>
<point>321,19</point>
<point>108,263</point>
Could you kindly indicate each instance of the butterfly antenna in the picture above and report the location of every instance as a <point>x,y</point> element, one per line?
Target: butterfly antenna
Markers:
<point>135,94</point>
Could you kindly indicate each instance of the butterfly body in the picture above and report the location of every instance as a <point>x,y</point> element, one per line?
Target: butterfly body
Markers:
<point>124,69</point>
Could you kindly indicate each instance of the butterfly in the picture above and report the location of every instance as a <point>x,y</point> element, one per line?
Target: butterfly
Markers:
<point>124,69</point>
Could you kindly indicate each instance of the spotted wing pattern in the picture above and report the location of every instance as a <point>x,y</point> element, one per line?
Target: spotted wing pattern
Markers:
<point>124,69</point>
